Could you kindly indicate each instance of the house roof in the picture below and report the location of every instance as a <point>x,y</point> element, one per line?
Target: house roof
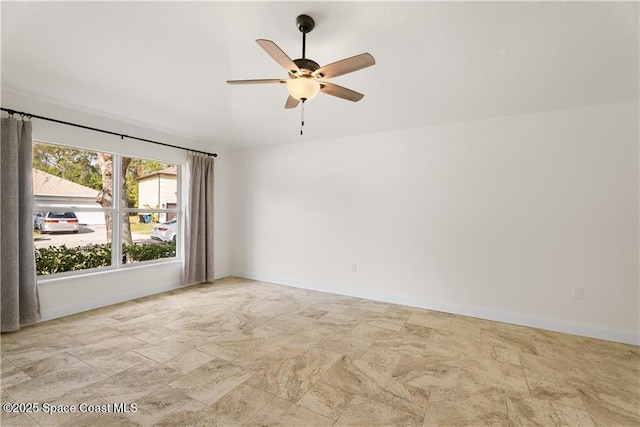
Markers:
<point>171,170</point>
<point>45,184</point>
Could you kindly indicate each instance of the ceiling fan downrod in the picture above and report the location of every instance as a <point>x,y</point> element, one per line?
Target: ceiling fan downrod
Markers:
<point>305,24</point>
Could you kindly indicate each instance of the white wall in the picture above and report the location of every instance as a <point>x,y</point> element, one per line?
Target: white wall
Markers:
<point>498,219</point>
<point>66,295</point>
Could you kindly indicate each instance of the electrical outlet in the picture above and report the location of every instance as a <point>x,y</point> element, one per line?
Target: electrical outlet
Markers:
<point>354,267</point>
<point>578,293</point>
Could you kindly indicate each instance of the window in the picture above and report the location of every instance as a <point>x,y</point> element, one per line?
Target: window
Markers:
<point>88,216</point>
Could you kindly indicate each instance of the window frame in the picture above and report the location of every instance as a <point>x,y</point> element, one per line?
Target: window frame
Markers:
<point>117,211</point>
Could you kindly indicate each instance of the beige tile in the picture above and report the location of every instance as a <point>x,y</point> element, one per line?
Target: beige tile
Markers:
<point>40,335</point>
<point>97,419</point>
<point>356,377</point>
<point>365,330</point>
<point>118,362</point>
<point>160,403</point>
<point>418,332</point>
<point>553,368</point>
<point>405,397</point>
<point>486,409</point>
<point>368,305</point>
<point>8,419</point>
<point>135,324</point>
<point>188,361</point>
<point>242,403</point>
<point>326,400</point>
<point>334,324</point>
<point>610,408</point>
<point>166,349</point>
<point>60,410</point>
<point>91,335</point>
<point>383,359</point>
<point>54,385</point>
<point>106,348</point>
<point>532,411</point>
<point>21,355</point>
<point>366,412</point>
<point>313,313</point>
<point>292,323</point>
<point>469,326</point>
<point>431,319</point>
<point>229,350</point>
<point>481,374</point>
<point>560,393</point>
<point>150,334</point>
<point>277,348</point>
<point>433,373</point>
<point>211,381</point>
<point>50,364</point>
<point>290,378</point>
<point>353,346</point>
<point>11,374</point>
<point>510,340</point>
<point>393,318</point>
<point>280,412</point>
<point>190,357</point>
<point>135,382</point>
<point>404,344</point>
<point>500,354</point>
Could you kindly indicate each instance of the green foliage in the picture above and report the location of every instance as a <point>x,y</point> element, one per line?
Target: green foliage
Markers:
<point>61,259</point>
<point>138,168</point>
<point>149,251</point>
<point>81,167</point>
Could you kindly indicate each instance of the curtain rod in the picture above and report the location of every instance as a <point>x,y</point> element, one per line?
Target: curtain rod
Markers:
<point>122,136</point>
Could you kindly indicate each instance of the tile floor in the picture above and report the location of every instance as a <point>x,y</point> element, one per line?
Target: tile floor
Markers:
<point>246,353</point>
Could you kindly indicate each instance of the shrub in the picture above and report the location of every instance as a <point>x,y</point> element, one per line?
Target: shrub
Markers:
<point>148,251</point>
<point>61,258</point>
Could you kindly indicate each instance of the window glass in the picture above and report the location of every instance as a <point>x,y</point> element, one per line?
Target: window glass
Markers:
<point>152,210</point>
<point>71,217</point>
<point>79,202</point>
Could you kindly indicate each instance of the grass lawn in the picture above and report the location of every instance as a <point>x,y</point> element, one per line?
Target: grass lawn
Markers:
<point>139,227</point>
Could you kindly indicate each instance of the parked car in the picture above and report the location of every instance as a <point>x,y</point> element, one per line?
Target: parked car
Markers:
<point>52,222</point>
<point>166,231</point>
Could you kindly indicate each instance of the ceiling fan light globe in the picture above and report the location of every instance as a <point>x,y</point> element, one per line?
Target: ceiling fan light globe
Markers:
<point>303,88</point>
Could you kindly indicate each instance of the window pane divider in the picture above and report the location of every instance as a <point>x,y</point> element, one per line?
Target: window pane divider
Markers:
<point>116,218</point>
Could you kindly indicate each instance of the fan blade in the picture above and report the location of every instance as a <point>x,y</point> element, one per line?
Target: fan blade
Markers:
<point>348,65</point>
<point>291,102</point>
<point>340,92</point>
<point>255,81</point>
<point>278,55</point>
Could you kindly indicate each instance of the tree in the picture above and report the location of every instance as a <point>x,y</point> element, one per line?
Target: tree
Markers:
<point>105,197</point>
<point>95,170</point>
<point>74,165</point>
<point>137,169</point>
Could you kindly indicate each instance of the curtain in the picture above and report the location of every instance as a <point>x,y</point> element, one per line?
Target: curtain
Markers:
<point>20,303</point>
<point>198,257</point>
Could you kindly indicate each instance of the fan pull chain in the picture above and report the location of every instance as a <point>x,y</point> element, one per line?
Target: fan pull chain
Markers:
<point>302,117</point>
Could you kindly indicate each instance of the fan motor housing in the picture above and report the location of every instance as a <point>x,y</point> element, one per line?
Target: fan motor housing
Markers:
<point>306,64</point>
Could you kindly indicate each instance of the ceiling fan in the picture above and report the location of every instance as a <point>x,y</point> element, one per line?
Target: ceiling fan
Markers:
<point>306,77</point>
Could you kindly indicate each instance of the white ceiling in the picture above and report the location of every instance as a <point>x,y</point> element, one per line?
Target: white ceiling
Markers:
<point>163,65</point>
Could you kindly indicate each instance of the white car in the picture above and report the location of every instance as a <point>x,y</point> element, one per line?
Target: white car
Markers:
<point>51,222</point>
<point>166,231</point>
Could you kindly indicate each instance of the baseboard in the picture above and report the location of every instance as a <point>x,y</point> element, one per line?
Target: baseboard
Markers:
<point>551,324</point>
